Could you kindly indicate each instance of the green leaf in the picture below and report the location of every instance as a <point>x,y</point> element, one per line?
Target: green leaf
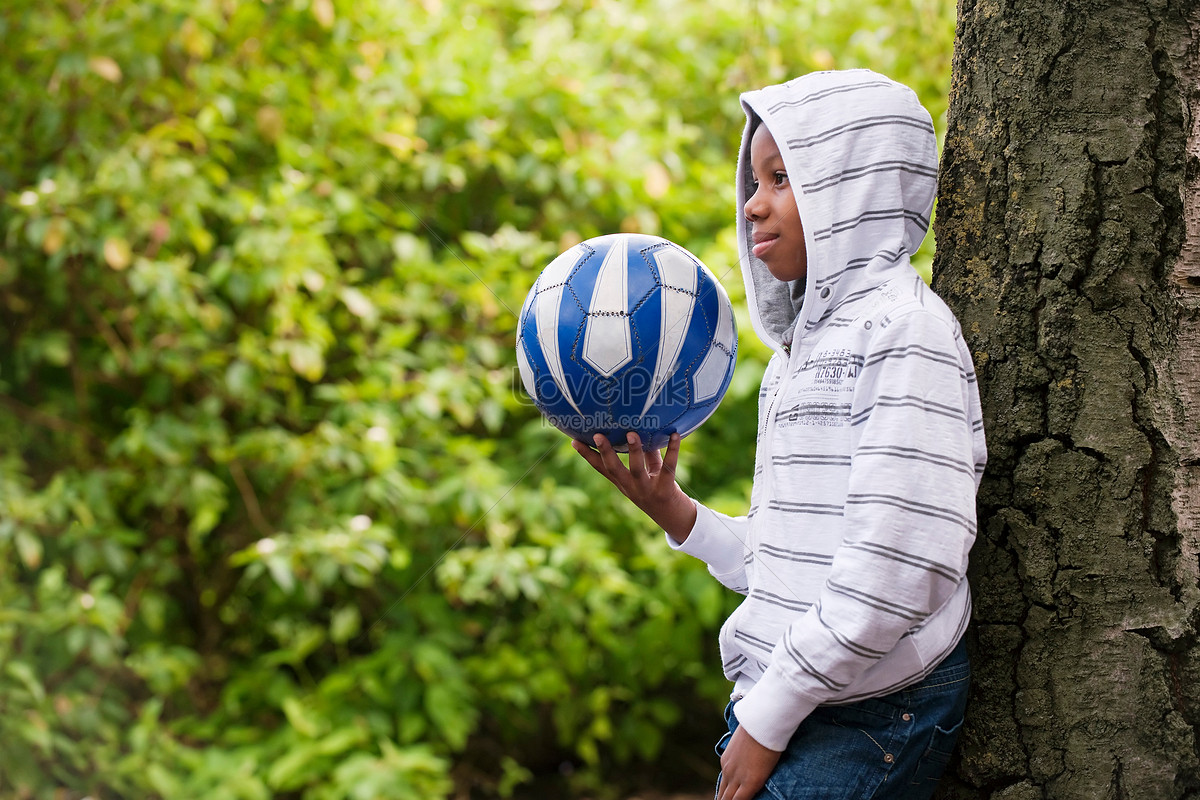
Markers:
<point>25,675</point>
<point>453,717</point>
<point>300,718</point>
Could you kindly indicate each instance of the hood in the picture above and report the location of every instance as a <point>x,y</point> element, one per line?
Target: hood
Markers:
<point>861,157</point>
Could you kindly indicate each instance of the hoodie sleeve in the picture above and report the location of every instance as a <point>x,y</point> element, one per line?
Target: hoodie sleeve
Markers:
<point>719,541</point>
<point>909,518</point>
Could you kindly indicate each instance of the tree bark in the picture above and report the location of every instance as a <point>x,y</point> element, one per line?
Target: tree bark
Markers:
<point>1069,245</point>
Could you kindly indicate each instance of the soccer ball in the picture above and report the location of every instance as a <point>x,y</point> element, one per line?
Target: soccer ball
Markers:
<point>626,332</point>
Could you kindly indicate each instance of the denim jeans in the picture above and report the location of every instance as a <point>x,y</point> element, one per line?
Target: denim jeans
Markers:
<point>893,747</point>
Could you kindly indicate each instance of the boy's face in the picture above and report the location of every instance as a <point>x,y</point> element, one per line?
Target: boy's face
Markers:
<point>771,211</point>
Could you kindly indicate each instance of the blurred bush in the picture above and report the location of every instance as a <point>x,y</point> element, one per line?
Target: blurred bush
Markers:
<point>273,520</point>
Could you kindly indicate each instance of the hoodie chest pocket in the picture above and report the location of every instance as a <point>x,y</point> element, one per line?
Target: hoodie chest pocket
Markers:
<point>821,392</point>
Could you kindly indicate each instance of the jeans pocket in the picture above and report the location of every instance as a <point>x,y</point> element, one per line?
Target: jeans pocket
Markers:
<point>722,743</point>
<point>937,755</point>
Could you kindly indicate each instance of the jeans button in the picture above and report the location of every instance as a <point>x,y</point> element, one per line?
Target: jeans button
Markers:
<point>907,717</point>
<point>888,758</point>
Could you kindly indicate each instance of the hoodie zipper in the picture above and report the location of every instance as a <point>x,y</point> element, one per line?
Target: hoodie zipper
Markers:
<point>785,369</point>
<point>768,431</point>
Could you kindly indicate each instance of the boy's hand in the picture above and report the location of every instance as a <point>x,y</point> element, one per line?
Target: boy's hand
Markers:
<point>648,481</point>
<point>745,767</point>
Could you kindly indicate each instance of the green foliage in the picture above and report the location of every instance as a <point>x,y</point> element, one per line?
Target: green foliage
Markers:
<point>273,520</point>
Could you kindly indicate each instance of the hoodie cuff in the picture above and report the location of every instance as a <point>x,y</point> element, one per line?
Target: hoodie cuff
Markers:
<point>712,540</point>
<point>771,711</point>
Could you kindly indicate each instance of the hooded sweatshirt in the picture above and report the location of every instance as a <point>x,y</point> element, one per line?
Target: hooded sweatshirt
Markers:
<point>853,552</point>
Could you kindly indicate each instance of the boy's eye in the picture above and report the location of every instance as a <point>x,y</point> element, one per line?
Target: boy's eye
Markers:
<point>778,179</point>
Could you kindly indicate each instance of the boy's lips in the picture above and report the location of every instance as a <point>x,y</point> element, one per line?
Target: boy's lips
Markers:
<point>763,243</point>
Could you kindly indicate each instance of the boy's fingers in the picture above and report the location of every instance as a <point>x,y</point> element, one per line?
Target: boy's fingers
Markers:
<point>637,456</point>
<point>612,461</point>
<point>672,458</point>
<point>589,455</point>
<point>654,460</point>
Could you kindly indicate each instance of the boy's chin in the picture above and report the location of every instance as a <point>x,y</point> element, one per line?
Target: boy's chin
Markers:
<point>785,275</point>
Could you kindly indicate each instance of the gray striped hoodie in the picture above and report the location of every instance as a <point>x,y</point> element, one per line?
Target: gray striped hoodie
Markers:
<point>853,552</point>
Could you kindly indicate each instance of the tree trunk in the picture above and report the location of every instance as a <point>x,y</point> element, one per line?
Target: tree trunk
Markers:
<point>1069,245</point>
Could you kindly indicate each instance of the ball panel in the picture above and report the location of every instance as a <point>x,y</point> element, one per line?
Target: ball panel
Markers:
<point>607,341</point>
<point>697,342</point>
<point>528,378</point>
<point>712,377</point>
<point>579,376</point>
<point>644,279</point>
<point>677,298</point>
<point>558,270</point>
<point>540,381</point>
<point>547,310</point>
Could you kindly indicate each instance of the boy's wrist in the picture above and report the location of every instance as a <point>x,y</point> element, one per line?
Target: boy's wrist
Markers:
<point>771,711</point>
<point>678,517</point>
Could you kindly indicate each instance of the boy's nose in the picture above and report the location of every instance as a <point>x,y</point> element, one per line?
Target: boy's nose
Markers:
<point>752,208</point>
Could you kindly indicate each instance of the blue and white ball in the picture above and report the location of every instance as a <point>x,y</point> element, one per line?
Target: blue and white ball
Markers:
<point>626,332</point>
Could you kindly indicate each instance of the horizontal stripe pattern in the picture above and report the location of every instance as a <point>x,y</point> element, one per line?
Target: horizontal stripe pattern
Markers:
<point>851,645</point>
<point>861,124</point>
<point>827,509</point>
<point>837,178</point>
<point>822,95</point>
<point>823,559</point>
<point>789,603</point>
<point>811,460</point>
<point>883,257</point>
<point>734,665</point>
<point>754,641</point>
<point>915,350</point>
<point>914,507</point>
<point>907,401</point>
<point>903,557</point>
<point>919,454</point>
<point>875,215</point>
<point>877,602</point>
<point>807,666</point>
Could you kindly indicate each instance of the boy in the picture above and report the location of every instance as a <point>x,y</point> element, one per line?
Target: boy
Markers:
<point>846,656</point>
